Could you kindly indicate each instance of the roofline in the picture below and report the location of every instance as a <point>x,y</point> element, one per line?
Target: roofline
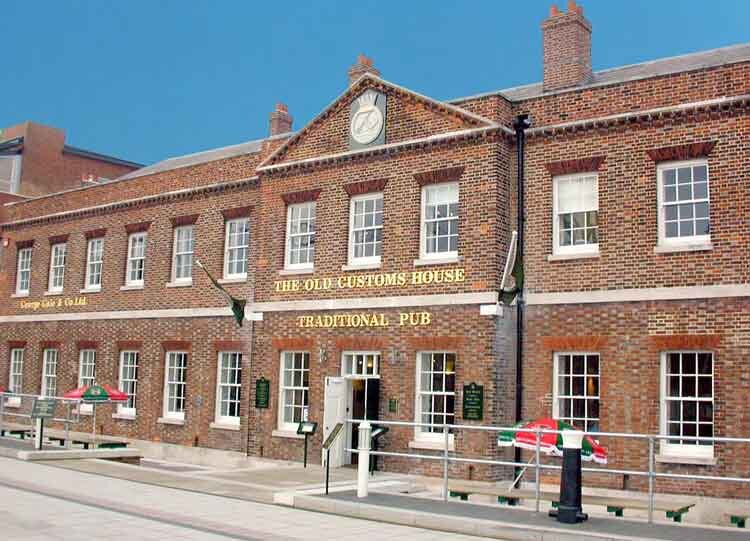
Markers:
<point>101,157</point>
<point>503,92</point>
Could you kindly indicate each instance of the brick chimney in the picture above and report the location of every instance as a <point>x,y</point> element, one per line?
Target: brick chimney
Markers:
<point>363,65</point>
<point>280,121</point>
<point>567,48</point>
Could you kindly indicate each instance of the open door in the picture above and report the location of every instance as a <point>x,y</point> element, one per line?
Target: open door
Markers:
<point>335,412</point>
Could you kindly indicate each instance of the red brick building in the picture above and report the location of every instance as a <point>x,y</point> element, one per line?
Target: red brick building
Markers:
<point>370,247</point>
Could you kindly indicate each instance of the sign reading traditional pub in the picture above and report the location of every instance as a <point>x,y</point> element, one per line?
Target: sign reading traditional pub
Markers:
<point>473,402</point>
<point>262,393</point>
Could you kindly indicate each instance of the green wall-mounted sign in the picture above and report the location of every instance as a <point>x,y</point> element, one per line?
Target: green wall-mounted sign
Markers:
<point>473,402</point>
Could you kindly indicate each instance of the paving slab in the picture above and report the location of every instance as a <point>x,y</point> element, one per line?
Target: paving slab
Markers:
<point>503,522</point>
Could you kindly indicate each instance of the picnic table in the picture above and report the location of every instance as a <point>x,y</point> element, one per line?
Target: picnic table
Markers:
<point>16,429</point>
<point>78,438</point>
<point>614,504</point>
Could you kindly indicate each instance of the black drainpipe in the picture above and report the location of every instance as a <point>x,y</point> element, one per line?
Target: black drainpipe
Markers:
<point>521,124</point>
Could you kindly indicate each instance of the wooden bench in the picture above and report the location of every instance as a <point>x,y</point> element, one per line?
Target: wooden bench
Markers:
<point>16,429</point>
<point>101,442</point>
<point>614,505</point>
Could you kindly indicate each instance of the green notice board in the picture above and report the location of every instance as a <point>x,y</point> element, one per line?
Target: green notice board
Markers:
<point>262,393</point>
<point>473,402</point>
<point>43,408</point>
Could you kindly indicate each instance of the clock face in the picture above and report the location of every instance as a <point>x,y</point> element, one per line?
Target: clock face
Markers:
<point>367,122</point>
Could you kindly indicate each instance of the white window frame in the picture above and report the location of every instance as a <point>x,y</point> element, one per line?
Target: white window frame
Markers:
<point>15,375</point>
<point>50,358</point>
<point>365,260</point>
<point>220,384</point>
<point>23,268</point>
<point>167,413</point>
<point>175,254</point>
<point>87,357</point>
<point>94,267</point>
<point>420,432</point>
<point>228,249</point>
<point>661,204</point>
<point>134,259</point>
<point>283,389</point>
<point>677,449</point>
<point>423,254</point>
<point>557,248</point>
<point>56,265</point>
<point>129,408</point>
<point>556,396</point>
<point>353,373</point>
<point>312,217</point>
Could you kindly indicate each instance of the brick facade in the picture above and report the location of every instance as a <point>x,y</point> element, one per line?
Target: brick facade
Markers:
<point>629,302</point>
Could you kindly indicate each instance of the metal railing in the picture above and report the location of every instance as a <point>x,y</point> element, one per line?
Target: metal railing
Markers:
<point>651,474</point>
<point>19,405</point>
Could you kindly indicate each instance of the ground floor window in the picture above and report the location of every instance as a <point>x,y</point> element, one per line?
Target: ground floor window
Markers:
<point>129,380</point>
<point>687,403</point>
<point>49,372</point>
<point>15,381</point>
<point>86,373</point>
<point>229,384</point>
<point>295,385</point>
<point>576,390</point>
<point>175,385</point>
<point>436,392</point>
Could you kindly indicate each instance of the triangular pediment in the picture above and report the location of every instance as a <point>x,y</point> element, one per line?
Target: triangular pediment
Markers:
<point>371,113</point>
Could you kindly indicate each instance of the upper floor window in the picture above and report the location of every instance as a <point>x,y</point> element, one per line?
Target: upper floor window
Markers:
<point>94,263</point>
<point>684,203</point>
<point>576,214</point>
<point>300,236</point>
<point>228,387</point>
<point>366,229</point>
<point>235,248</point>
<point>576,390</point>
<point>440,221</point>
<point>184,246</point>
<point>136,267</point>
<point>687,402</point>
<point>49,372</point>
<point>58,255</point>
<point>23,275</point>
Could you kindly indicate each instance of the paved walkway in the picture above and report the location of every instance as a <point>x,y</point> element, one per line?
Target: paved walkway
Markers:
<point>44,502</point>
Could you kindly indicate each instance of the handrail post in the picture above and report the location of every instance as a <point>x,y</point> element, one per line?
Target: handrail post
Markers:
<point>363,469</point>
<point>445,463</point>
<point>650,479</point>
<point>537,477</point>
<point>67,424</point>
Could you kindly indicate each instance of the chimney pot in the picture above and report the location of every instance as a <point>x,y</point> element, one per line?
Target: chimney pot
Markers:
<point>553,10</point>
<point>362,66</point>
<point>279,121</point>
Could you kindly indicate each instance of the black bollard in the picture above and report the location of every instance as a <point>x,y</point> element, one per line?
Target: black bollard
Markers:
<point>569,509</point>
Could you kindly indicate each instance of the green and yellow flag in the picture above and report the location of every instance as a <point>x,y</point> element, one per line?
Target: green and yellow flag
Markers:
<point>237,305</point>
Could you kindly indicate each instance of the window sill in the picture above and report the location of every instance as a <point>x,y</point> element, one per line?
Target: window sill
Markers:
<point>235,280</point>
<point>133,287</point>
<point>423,262</point>
<point>432,445</point>
<point>292,272</point>
<point>91,290</point>
<point>19,295</point>
<point>168,421</point>
<point>363,266</point>
<point>673,248</point>
<point>186,283</point>
<point>52,293</point>
<point>224,426</point>
<point>287,434</point>
<point>693,460</point>
<point>567,257</point>
<point>124,416</point>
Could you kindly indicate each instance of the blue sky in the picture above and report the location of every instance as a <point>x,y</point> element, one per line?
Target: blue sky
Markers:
<point>149,79</point>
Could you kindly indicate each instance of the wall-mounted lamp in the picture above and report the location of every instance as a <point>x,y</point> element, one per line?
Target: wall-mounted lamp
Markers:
<point>322,354</point>
<point>395,356</point>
